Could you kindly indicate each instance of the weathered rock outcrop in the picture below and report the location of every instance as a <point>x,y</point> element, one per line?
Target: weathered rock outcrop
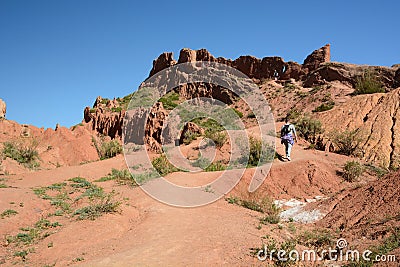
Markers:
<point>316,69</point>
<point>165,60</point>
<point>349,73</point>
<point>316,58</point>
<point>154,126</point>
<point>377,118</point>
<point>2,109</point>
<point>103,118</point>
<point>249,65</point>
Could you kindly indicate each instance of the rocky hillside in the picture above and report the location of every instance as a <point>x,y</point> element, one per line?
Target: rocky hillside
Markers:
<point>318,86</point>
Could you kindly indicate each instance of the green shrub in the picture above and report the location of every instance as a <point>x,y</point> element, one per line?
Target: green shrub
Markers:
<point>352,171</point>
<point>189,137</point>
<point>163,166</point>
<point>120,176</point>
<point>116,109</point>
<point>215,167</point>
<point>263,205</point>
<point>258,155</point>
<point>107,149</point>
<point>309,128</point>
<point>240,114</point>
<point>8,213</point>
<point>318,238</point>
<point>99,205</point>
<point>202,163</point>
<point>315,89</point>
<point>170,100</point>
<point>219,138</point>
<point>347,142</point>
<point>23,152</point>
<point>208,124</point>
<point>255,151</point>
<point>368,83</point>
<point>324,107</point>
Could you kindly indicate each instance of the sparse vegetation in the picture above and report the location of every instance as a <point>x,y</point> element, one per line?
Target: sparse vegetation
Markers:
<point>263,205</point>
<point>189,137</point>
<point>315,89</point>
<point>293,114</point>
<point>78,190</point>
<point>120,176</point>
<point>208,124</point>
<point>215,166</point>
<point>258,154</point>
<point>8,213</point>
<point>324,106</point>
<point>170,100</point>
<point>145,176</point>
<point>380,172</point>
<point>352,171</point>
<point>163,166</point>
<point>368,83</point>
<point>219,138</point>
<point>309,128</point>
<point>317,238</point>
<point>347,142</point>
<point>102,203</point>
<point>107,149</point>
<point>23,151</point>
<point>31,235</point>
<point>116,109</point>
<point>239,113</point>
<point>385,248</point>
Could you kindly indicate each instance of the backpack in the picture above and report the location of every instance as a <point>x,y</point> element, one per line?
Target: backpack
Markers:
<point>285,130</point>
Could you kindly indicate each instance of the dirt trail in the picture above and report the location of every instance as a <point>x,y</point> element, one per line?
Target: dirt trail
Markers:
<point>147,232</point>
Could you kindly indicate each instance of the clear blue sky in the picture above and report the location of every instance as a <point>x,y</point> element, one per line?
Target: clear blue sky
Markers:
<point>56,57</point>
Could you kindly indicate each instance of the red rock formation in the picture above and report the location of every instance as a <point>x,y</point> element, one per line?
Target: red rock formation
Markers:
<point>154,127</point>
<point>103,118</point>
<point>292,71</point>
<point>316,58</point>
<point>165,60</point>
<point>251,66</point>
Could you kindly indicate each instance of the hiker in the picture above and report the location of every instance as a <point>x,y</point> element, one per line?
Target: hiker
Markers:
<point>288,137</point>
<point>276,75</point>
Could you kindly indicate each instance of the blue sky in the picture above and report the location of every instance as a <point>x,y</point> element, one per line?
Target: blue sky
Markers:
<point>56,57</point>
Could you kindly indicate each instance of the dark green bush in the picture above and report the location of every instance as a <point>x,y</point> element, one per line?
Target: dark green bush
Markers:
<point>240,114</point>
<point>324,106</point>
<point>170,100</point>
<point>347,142</point>
<point>116,109</point>
<point>23,152</point>
<point>368,83</point>
<point>352,171</point>
<point>163,166</point>
<point>219,138</point>
<point>108,149</point>
<point>309,128</point>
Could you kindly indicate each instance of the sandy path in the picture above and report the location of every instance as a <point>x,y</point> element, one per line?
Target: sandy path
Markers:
<point>147,232</point>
